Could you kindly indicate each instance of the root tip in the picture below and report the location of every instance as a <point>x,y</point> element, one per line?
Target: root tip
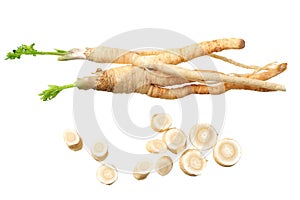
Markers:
<point>242,43</point>
<point>283,67</point>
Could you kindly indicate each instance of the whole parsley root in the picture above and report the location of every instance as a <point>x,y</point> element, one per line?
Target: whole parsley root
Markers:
<point>158,73</point>
<point>129,79</point>
<point>102,54</point>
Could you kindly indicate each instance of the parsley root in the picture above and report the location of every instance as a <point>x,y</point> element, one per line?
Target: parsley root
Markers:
<point>130,79</point>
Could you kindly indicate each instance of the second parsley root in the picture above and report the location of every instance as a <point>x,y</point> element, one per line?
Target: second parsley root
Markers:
<point>143,80</point>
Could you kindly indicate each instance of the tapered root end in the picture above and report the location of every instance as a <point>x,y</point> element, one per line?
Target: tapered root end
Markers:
<point>235,43</point>
<point>241,43</point>
<point>282,67</point>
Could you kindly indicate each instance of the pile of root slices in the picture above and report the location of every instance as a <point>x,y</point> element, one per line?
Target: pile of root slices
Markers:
<point>192,160</point>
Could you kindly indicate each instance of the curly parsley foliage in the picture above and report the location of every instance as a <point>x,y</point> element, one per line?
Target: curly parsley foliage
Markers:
<point>53,90</point>
<point>30,50</point>
<point>21,50</point>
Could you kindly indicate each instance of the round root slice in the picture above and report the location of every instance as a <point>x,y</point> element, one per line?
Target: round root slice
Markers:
<point>99,151</point>
<point>142,169</point>
<point>192,162</point>
<point>227,152</point>
<point>164,165</point>
<point>73,140</point>
<point>156,146</point>
<point>175,140</point>
<point>107,174</point>
<point>161,122</point>
<point>203,136</point>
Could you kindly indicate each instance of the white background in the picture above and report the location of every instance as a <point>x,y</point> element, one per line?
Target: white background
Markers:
<point>36,164</point>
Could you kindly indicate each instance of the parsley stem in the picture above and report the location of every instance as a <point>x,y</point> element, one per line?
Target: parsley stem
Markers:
<point>49,53</point>
<point>53,90</point>
<point>30,50</point>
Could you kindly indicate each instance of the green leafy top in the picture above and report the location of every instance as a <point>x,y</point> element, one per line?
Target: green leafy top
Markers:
<point>53,90</point>
<point>30,50</point>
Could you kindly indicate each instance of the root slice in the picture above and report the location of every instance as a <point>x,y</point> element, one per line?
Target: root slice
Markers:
<point>100,151</point>
<point>203,136</point>
<point>192,162</point>
<point>156,146</point>
<point>175,140</point>
<point>107,174</point>
<point>227,152</point>
<point>161,122</point>
<point>73,140</point>
<point>164,165</point>
<point>142,169</point>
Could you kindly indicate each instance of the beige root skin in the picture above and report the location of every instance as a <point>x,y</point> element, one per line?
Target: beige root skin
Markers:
<point>151,72</point>
<point>172,56</point>
<point>128,79</point>
<point>151,82</point>
<point>165,93</point>
<point>200,76</point>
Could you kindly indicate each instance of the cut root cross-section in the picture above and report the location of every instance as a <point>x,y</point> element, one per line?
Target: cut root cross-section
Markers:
<point>203,136</point>
<point>107,174</point>
<point>227,152</point>
<point>175,140</point>
<point>164,165</point>
<point>142,169</point>
<point>73,140</point>
<point>156,146</point>
<point>161,122</point>
<point>99,151</point>
<point>192,162</point>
